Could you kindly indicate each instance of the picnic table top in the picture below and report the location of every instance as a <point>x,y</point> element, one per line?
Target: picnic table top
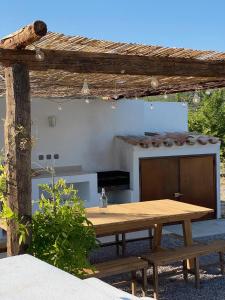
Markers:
<point>142,215</point>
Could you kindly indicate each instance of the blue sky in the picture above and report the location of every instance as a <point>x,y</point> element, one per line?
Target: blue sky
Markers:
<point>191,24</point>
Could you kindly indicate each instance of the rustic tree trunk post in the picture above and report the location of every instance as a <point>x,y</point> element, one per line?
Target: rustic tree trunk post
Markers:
<point>18,150</point>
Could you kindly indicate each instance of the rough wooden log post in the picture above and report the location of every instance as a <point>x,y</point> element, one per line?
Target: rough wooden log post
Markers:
<point>18,149</point>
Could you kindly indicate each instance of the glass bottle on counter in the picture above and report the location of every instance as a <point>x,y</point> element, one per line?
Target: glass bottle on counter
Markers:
<point>103,201</point>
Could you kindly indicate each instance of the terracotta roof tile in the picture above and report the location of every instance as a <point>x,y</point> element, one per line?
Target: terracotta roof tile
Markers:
<point>168,139</point>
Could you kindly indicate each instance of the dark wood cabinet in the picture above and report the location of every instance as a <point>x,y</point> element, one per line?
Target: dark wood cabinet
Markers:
<point>190,179</point>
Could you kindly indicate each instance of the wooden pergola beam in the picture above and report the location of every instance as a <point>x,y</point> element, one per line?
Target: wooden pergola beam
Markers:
<point>89,62</point>
<point>25,36</point>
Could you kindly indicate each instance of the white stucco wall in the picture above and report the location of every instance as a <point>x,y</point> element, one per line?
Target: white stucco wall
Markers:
<point>166,116</point>
<point>84,133</point>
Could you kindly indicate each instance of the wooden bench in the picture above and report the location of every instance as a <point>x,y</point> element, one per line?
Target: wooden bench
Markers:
<point>182,254</point>
<point>119,266</point>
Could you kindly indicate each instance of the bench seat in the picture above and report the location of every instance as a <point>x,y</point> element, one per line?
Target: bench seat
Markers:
<point>183,254</point>
<point>120,266</point>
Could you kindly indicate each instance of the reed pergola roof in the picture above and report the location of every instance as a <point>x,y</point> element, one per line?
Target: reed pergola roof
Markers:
<point>55,65</point>
<point>66,83</point>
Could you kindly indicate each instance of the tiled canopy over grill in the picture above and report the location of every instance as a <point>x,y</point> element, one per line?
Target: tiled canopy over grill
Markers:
<point>55,83</point>
<point>168,139</point>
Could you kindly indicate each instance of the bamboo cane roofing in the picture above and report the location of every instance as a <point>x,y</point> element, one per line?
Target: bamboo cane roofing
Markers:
<point>55,83</point>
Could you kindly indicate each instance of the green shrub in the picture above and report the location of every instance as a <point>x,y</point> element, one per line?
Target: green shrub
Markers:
<point>61,233</point>
<point>209,117</point>
<point>6,212</point>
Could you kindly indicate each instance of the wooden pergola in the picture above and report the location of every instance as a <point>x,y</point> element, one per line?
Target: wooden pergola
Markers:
<point>66,62</point>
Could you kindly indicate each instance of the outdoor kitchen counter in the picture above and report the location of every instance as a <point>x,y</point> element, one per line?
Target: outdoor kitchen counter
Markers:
<point>84,182</point>
<point>137,216</point>
<point>60,171</point>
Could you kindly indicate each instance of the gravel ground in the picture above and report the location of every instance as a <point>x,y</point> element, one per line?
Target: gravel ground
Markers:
<point>171,283</point>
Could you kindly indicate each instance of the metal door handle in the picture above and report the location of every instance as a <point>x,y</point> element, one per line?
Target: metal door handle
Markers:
<point>177,195</point>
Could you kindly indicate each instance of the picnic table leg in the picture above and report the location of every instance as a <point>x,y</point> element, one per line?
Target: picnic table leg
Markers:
<point>133,283</point>
<point>150,237</point>
<point>144,282</point>
<point>221,254</point>
<point>185,270</point>
<point>124,244</point>
<point>197,279</point>
<point>188,241</point>
<point>117,240</point>
<point>155,282</point>
<point>157,237</point>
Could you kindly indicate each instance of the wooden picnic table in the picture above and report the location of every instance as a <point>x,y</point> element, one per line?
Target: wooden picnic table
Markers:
<point>130,217</point>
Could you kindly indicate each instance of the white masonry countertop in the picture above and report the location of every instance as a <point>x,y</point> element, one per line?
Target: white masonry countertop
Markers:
<point>24,277</point>
<point>60,172</point>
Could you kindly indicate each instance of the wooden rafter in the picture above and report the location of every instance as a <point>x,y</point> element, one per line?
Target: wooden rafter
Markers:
<point>90,62</point>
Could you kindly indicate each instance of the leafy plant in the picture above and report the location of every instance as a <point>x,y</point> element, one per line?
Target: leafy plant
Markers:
<point>6,212</point>
<point>61,233</point>
<point>209,117</point>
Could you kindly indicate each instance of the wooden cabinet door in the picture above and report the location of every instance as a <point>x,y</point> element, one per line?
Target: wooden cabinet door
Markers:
<point>159,178</point>
<point>197,180</point>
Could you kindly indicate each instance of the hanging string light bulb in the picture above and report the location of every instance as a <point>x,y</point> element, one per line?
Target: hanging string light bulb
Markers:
<point>113,105</point>
<point>196,99</point>
<point>87,101</point>
<point>151,106</point>
<point>154,82</point>
<point>165,96</point>
<point>115,96</point>
<point>59,107</point>
<point>208,92</point>
<point>40,56</point>
<point>105,98</point>
<point>85,89</point>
